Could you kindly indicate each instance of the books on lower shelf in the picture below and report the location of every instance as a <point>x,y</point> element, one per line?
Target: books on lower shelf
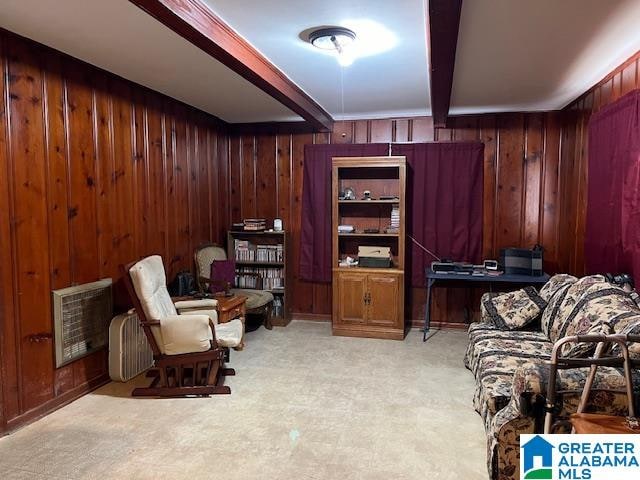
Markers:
<point>245,251</point>
<point>266,279</point>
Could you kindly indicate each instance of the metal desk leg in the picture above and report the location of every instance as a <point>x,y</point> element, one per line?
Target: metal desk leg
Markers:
<point>427,310</point>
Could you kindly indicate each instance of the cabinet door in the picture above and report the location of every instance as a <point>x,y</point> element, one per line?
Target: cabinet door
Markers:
<point>384,292</point>
<point>351,292</point>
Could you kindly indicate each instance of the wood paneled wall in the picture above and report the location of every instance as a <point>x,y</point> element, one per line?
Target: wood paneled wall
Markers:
<point>94,172</point>
<point>574,172</point>
<point>521,196</point>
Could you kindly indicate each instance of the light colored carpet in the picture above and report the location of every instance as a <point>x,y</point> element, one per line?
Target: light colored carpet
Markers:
<point>304,405</point>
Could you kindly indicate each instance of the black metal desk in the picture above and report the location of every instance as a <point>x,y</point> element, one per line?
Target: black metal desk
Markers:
<point>432,277</point>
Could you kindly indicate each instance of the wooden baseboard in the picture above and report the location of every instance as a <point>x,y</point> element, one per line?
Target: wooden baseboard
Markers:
<point>54,404</point>
<point>312,317</point>
<point>417,323</point>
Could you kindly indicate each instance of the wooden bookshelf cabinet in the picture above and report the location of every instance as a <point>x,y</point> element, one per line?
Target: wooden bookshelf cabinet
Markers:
<point>272,264</point>
<point>368,302</point>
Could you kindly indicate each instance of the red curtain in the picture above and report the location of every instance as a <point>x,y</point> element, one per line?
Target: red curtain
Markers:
<point>612,239</point>
<point>444,203</point>
<point>444,196</point>
<point>315,240</point>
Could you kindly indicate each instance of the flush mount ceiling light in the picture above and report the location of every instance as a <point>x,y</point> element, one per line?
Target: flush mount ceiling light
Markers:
<point>335,39</point>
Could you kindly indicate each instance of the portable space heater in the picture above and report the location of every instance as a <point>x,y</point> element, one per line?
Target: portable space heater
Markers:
<point>129,351</point>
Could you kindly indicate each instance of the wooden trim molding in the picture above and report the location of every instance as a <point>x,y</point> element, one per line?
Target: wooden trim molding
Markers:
<point>195,22</point>
<point>442,37</point>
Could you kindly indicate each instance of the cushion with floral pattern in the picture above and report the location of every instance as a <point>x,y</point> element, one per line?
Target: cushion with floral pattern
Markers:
<point>514,310</point>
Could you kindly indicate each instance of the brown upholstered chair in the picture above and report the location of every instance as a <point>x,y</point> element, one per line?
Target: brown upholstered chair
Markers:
<point>259,302</point>
<point>189,346</point>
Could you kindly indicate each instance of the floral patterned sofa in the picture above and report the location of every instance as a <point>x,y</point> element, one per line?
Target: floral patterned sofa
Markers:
<point>511,366</point>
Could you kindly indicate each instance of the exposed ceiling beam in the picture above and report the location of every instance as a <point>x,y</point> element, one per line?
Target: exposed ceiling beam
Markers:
<point>194,21</point>
<point>443,21</point>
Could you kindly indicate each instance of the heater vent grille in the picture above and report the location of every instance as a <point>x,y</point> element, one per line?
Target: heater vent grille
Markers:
<point>81,319</point>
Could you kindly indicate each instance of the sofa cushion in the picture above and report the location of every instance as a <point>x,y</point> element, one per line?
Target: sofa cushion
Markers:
<point>494,382</point>
<point>484,315</point>
<point>514,310</point>
<point>562,303</point>
<point>554,284</point>
<point>489,351</point>
<point>599,305</point>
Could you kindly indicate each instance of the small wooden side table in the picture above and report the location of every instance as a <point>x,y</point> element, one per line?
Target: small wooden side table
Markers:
<point>230,308</point>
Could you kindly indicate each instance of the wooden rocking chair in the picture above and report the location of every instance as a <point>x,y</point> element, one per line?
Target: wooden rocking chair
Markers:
<point>189,348</point>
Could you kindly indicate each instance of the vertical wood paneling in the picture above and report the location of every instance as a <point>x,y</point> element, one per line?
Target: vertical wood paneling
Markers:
<point>248,177</point>
<point>94,172</point>
<point>9,402</point>
<point>629,75</point>
<point>550,191</point>
<point>57,163</point>
<point>235,171</point>
<point>510,177</point>
<point>27,150</point>
<point>283,159</point>
<point>533,164</point>
<point>266,177</point>
<point>381,131</point>
<point>302,291</point>
<point>489,136</point>
<point>82,173</point>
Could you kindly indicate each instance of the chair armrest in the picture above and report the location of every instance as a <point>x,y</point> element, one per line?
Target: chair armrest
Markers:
<point>205,303</point>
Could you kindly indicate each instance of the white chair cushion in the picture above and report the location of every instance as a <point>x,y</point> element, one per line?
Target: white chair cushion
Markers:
<point>212,314</point>
<point>150,284</point>
<point>203,303</point>
<point>230,334</point>
<point>186,334</point>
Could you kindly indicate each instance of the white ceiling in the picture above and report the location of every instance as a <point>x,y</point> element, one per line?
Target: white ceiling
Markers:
<point>522,55</point>
<point>393,83</point>
<point>119,37</point>
<point>512,54</point>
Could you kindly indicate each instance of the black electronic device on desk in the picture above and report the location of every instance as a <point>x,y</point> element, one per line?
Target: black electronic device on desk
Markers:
<point>522,261</point>
<point>448,266</point>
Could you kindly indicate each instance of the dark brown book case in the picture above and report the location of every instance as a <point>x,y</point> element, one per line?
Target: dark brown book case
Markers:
<point>272,267</point>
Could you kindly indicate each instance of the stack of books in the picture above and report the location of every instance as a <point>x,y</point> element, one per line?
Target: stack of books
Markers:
<point>255,224</point>
<point>269,253</point>
<point>395,219</point>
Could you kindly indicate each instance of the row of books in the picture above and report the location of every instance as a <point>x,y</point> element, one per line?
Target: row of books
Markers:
<point>267,279</point>
<point>248,252</point>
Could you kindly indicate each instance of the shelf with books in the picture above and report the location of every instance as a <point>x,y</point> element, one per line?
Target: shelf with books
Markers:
<point>368,268</point>
<point>262,264</point>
